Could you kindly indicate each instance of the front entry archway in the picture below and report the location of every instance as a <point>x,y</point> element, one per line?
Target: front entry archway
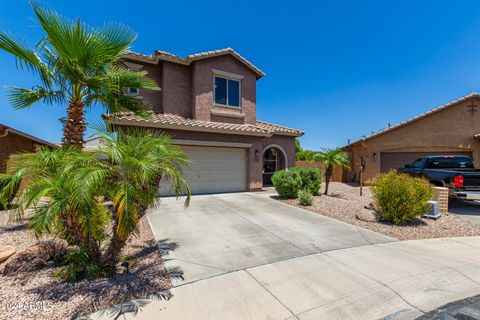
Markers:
<point>274,159</point>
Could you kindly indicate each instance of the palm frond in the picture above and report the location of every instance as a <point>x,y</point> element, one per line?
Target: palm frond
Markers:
<point>26,58</point>
<point>21,98</point>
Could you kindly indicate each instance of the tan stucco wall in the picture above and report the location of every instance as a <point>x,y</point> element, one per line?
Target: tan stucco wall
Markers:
<point>187,91</point>
<point>451,129</point>
<point>176,89</point>
<point>202,87</point>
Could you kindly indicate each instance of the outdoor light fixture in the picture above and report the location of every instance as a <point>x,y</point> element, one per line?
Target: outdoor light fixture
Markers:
<point>256,153</point>
<point>125,264</point>
<point>374,155</point>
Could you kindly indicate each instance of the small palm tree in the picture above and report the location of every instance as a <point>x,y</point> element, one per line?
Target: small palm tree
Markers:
<point>63,204</point>
<point>138,161</point>
<point>67,187</point>
<point>77,66</point>
<point>332,158</point>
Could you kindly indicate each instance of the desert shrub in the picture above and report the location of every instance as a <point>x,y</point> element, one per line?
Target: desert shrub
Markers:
<point>287,183</point>
<point>305,198</point>
<point>311,179</point>
<point>80,265</point>
<point>9,185</point>
<point>401,198</point>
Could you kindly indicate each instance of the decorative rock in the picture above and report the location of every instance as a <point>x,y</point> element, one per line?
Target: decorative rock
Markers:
<point>34,257</point>
<point>367,215</point>
<point>6,252</point>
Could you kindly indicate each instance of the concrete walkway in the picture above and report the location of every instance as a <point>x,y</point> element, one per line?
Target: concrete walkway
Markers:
<point>246,256</point>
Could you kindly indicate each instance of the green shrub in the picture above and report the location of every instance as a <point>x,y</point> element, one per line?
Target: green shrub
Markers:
<point>305,198</point>
<point>287,183</point>
<point>400,197</point>
<point>311,179</point>
<point>79,265</point>
<point>9,185</point>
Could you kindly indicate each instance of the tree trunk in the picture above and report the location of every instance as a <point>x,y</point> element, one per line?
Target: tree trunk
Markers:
<point>74,125</point>
<point>112,254</point>
<point>328,176</point>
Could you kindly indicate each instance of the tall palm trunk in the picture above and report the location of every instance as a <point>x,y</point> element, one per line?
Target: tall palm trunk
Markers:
<point>74,125</point>
<point>328,176</point>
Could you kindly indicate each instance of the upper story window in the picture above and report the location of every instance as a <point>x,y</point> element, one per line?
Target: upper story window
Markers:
<point>227,89</point>
<point>133,92</point>
<point>132,67</point>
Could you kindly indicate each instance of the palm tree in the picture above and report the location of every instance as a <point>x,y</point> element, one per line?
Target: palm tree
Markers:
<point>63,204</point>
<point>66,187</point>
<point>332,158</point>
<point>138,161</point>
<point>77,66</point>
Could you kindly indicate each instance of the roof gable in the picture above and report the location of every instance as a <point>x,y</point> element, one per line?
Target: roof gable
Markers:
<point>6,130</point>
<point>417,118</point>
<point>166,56</point>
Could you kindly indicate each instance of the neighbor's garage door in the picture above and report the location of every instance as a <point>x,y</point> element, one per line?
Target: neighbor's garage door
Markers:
<point>214,170</point>
<point>395,160</point>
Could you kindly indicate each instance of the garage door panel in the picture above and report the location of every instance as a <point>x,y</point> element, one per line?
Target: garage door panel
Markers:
<point>396,160</point>
<point>214,170</point>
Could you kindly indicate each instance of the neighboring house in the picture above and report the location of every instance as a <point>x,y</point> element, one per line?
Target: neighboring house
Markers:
<point>14,141</point>
<point>453,128</point>
<point>93,144</point>
<point>207,104</point>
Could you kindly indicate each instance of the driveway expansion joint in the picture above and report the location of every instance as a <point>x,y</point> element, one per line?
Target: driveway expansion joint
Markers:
<point>270,293</point>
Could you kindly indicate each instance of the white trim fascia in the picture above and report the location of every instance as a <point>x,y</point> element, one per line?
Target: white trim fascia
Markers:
<point>211,143</point>
<point>226,74</point>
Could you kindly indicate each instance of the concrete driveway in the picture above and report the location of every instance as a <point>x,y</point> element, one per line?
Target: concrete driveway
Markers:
<point>246,256</point>
<point>218,234</point>
<point>467,209</point>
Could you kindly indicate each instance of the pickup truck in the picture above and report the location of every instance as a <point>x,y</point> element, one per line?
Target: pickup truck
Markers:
<point>457,173</point>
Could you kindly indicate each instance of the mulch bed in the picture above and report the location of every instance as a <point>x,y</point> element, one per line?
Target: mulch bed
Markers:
<point>38,295</point>
<point>344,201</point>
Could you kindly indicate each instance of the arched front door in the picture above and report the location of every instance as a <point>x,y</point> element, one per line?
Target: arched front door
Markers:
<point>273,160</point>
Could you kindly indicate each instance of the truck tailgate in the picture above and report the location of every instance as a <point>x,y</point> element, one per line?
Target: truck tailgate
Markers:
<point>471,179</point>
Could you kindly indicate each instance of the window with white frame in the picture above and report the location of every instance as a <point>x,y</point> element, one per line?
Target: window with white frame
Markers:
<point>133,92</point>
<point>227,91</point>
<point>132,67</point>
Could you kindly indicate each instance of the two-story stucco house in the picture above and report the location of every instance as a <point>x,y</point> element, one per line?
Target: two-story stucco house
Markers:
<point>207,104</point>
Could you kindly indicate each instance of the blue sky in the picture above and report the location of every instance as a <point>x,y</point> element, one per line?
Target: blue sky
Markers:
<point>336,69</point>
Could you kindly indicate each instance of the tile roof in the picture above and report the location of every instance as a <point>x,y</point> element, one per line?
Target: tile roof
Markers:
<point>419,117</point>
<point>277,129</point>
<point>163,55</point>
<point>170,121</point>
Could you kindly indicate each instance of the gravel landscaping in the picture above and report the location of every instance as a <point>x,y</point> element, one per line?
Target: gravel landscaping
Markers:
<point>344,202</point>
<point>38,295</point>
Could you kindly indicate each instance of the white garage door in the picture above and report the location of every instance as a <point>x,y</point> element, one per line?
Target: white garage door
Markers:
<point>214,170</point>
